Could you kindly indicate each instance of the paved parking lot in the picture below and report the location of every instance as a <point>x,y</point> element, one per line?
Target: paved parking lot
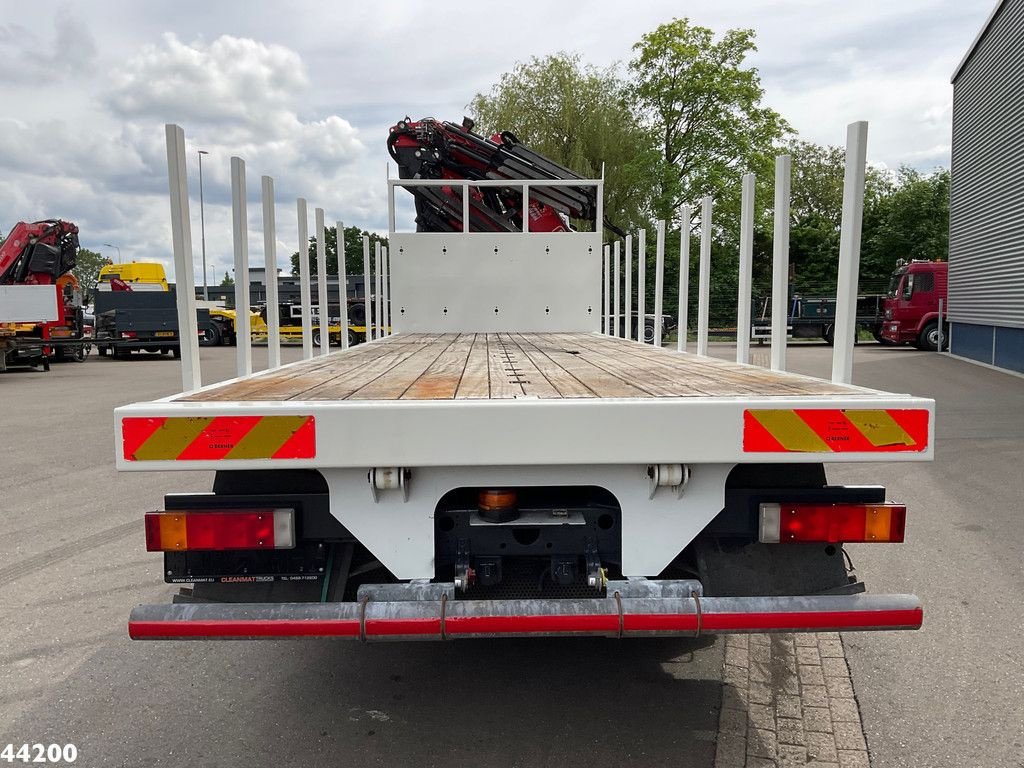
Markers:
<point>72,564</point>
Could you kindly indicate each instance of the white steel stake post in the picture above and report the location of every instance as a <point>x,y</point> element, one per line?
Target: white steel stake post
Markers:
<point>627,323</point>
<point>386,301</point>
<point>617,290</point>
<point>746,275</point>
<point>641,285</point>
<point>184,272</point>
<point>367,306</point>
<point>704,283</point>
<point>606,252</point>
<point>659,281</point>
<point>304,291</point>
<point>323,310</point>
<point>780,263</point>
<point>270,264</point>
<point>240,227</point>
<point>685,214</point>
<point>339,230</point>
<point>849,252</point>
<point>378,328</point>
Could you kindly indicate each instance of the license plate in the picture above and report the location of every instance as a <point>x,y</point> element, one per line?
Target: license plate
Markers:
<point>164,333</point>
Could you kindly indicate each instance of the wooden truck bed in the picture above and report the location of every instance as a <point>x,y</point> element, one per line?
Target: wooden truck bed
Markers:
<point>499,366</point>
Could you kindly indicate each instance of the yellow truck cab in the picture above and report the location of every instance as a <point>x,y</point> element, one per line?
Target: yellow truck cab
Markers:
<point>140,275</point>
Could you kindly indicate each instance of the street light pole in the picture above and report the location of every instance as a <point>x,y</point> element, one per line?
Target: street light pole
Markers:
<point>111,245</point>
<point>202,225</point>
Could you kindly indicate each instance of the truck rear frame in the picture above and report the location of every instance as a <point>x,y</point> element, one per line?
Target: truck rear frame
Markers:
<point>415,486</point>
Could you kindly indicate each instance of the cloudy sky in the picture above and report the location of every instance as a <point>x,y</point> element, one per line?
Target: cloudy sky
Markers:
<point>305,92</point>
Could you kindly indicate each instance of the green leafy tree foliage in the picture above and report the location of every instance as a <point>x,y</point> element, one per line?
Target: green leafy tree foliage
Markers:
<point>228,280</point>
<point>87,270</point>
<point>703,104</point>
<point>816,211</point>
<point>353,251</point>
<point>579,116</point>
<point>911,222</point>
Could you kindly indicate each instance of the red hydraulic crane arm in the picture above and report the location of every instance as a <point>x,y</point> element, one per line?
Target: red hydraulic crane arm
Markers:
<point>430,149</point>
<point>38,253</point>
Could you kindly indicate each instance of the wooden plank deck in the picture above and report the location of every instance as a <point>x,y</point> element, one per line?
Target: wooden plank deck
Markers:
<point>485,366</point>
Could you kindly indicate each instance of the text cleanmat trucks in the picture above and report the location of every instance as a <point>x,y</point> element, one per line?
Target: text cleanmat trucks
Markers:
<point>497,467</point>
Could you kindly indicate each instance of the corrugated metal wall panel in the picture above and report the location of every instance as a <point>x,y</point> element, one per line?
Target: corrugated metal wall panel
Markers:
<point>986,210</point>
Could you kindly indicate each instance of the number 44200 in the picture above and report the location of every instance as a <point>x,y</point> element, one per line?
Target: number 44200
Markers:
<point>39,753</point>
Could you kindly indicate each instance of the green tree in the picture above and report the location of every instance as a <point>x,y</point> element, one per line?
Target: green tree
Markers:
<point>353,251</point>
<point>228,280</point>
<point>703,104</point>
<point>816,210</point>
<point>87,270</point>
<point>580,117</point>
<point>911,222</point>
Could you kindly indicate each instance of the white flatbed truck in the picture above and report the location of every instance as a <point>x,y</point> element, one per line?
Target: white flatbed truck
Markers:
<point>499,467</point>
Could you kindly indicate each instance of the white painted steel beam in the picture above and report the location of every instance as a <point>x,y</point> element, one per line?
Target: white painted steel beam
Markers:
<point>323,305</point>
<point>270,265</point>
<point>339,229</point>
<point>367,289</point>
<point>685,216</point>
<point>378,328</point>
<point>849,252</point>
<point>659,281</point>
<point>184,274</point>
<point>617,290</point>
<point>746,275</point>
<point>780,262</point>
<point>704,283</point>
<point>641,284</point>
<point>606,326</point>
<point>385,323</point>
<point>651,430</point>
<point>304,290</point>
<point>240,231</point>
<point>627,323</point>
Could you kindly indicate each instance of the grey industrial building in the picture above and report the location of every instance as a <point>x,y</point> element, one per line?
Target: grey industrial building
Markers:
<point>986,207</point>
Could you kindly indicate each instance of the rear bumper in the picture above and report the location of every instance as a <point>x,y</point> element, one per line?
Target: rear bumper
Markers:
<point>451,619</point>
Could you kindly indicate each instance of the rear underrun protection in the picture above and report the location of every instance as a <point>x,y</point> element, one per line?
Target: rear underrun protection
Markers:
<point>519,560</point>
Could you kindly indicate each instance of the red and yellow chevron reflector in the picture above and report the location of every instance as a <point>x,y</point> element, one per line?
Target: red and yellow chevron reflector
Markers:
<point>206,438</point>
<point>806,430</point>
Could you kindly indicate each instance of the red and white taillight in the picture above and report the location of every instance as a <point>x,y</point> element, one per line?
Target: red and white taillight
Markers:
<point>198,529</point>
<point>831,523</point>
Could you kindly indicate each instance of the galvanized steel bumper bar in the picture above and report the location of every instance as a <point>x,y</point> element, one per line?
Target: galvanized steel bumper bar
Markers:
<point>445,619</point>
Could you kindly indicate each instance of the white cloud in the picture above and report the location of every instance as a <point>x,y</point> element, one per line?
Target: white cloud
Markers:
<point>26,57</point>
<point>305,93</point>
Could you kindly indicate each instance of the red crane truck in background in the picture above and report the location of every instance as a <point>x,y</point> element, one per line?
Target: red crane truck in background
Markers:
<point>42,253</point>
<point>911,308</point>
<point>498,467</point>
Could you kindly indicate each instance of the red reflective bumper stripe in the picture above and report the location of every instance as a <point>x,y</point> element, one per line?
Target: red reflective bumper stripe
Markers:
<point>659,622</point>
<point>244,628</point>
<point>500,625</point>
<point>395,627</point>
<point>719,622</point>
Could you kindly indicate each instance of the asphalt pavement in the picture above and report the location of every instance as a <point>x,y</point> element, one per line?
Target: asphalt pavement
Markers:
<point>73,563</point>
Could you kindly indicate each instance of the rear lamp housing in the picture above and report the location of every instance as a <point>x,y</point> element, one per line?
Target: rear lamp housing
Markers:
<point>218,529</point>
<point>831,523</point>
